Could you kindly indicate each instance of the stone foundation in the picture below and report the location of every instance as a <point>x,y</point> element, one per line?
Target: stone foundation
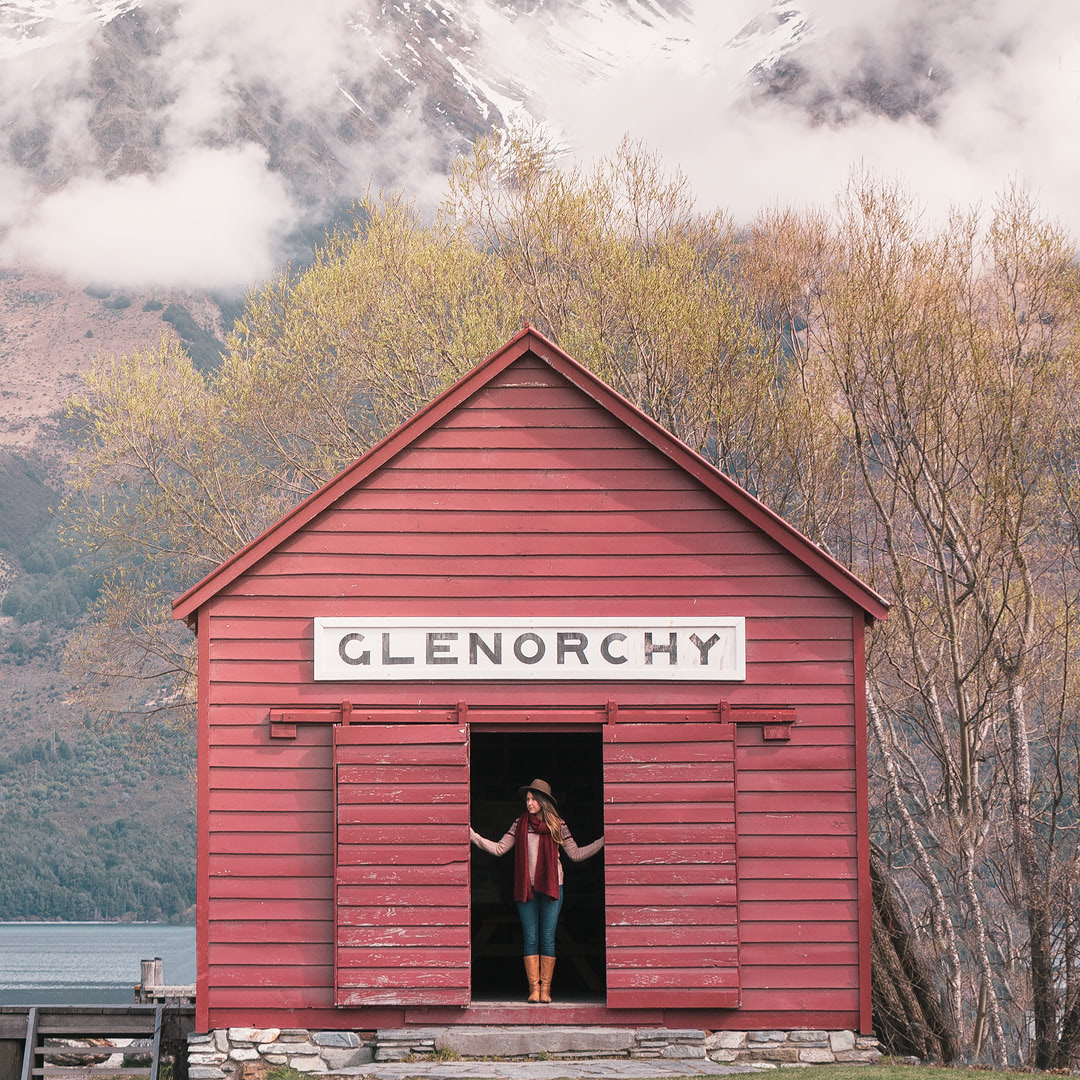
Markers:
<point>791,1047</point>
<point>242,1053</point>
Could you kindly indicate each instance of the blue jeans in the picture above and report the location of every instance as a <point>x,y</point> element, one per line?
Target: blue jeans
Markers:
<point>539,917</point>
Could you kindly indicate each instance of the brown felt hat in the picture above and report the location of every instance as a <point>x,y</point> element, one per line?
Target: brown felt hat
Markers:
<point>538,785</point>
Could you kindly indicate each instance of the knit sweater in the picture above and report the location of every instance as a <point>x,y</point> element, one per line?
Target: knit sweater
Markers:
<point>577,854</point>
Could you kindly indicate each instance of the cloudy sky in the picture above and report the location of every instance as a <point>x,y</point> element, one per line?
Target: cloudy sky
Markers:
<point>139,156</point>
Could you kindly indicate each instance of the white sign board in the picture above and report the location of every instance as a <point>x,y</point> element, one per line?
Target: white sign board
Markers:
<point>381,650</point>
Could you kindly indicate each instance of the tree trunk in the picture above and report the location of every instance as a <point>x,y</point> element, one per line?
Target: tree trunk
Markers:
<point>909,1017</point>
<point>1034,893</point>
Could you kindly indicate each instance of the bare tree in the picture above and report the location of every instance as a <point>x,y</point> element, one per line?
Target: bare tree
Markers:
<point>952,356</point>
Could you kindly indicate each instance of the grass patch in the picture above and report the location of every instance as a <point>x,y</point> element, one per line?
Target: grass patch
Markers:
<point>887,1069</point>
<point>285,1072</point>
<point>883,1070</point>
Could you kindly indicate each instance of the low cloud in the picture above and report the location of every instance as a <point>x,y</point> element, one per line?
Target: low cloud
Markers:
<point>185,152</point>
<point>214,217</point>
<point>181,146</point>
<point>221,55</point>
<point>956,100</point>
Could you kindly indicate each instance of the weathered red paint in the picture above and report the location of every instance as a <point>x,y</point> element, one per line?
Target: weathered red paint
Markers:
<point>333,850</point>
<point>691,860</point>
<point>862,831</point>
<point>402,844</point>
<point>202,826</point>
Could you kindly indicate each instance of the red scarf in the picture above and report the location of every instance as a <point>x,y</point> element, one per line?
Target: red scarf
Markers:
<point>547,859</point>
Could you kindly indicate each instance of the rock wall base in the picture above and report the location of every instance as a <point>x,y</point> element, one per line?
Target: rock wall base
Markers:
<point>248,1053</point>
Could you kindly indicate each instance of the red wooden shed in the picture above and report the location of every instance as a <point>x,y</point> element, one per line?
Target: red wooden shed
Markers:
<point>532,578</point>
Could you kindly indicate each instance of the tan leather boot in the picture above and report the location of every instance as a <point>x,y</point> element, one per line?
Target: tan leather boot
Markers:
<point>547,969</point>
<point>532,973</point>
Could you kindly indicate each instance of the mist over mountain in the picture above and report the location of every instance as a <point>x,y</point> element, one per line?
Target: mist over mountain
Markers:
<point>196,144</point>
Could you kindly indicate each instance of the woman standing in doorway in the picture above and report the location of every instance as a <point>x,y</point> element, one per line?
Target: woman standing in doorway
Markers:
<point>537,836</point>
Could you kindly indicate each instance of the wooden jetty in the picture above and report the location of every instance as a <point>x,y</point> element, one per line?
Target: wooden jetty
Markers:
<point>153,991</point>
<point>78,1042</point>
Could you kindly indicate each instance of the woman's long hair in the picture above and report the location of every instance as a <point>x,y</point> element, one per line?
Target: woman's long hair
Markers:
<point>549,815</point>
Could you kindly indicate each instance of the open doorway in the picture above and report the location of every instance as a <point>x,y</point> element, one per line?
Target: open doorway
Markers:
<point>572,762</point>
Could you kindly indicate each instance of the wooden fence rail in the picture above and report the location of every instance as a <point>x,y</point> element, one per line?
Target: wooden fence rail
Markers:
<point>55,1042</point>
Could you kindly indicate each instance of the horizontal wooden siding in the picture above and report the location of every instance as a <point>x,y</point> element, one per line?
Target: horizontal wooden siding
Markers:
<point>530,499</point>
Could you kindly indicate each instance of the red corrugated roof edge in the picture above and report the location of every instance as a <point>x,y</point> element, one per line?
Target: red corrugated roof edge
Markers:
<point>530,340</point>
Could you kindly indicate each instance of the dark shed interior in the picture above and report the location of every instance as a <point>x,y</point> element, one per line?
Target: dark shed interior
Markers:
<point>500,763</point>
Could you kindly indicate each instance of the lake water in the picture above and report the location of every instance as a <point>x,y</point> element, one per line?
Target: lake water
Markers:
<point>88,963</point>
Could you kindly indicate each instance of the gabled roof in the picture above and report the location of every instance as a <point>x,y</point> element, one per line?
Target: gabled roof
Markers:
<point>532,341</point>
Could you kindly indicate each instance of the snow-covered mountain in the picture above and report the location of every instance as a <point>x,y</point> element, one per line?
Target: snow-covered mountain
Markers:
<point>224,126</point>
<point>117,87</point>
